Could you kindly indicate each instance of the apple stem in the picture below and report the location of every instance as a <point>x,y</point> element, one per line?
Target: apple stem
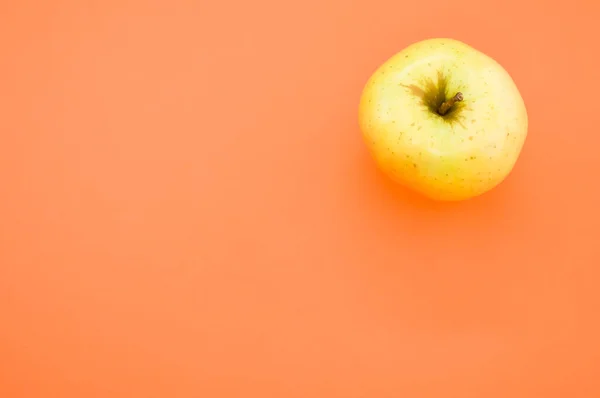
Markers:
<point>446,105</point>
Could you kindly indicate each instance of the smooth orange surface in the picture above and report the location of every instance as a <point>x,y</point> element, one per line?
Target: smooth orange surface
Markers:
<point>187,208</point>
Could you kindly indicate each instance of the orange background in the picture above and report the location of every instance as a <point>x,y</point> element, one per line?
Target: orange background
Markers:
<point>187,208</point>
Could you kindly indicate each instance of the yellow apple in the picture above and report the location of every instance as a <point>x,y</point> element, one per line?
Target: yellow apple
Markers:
<point>443,119</point>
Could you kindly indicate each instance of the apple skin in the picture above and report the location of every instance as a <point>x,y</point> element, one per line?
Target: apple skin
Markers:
<point>466,152</point>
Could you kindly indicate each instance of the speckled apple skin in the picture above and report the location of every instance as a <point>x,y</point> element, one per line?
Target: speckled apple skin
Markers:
<point>456,157</point>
